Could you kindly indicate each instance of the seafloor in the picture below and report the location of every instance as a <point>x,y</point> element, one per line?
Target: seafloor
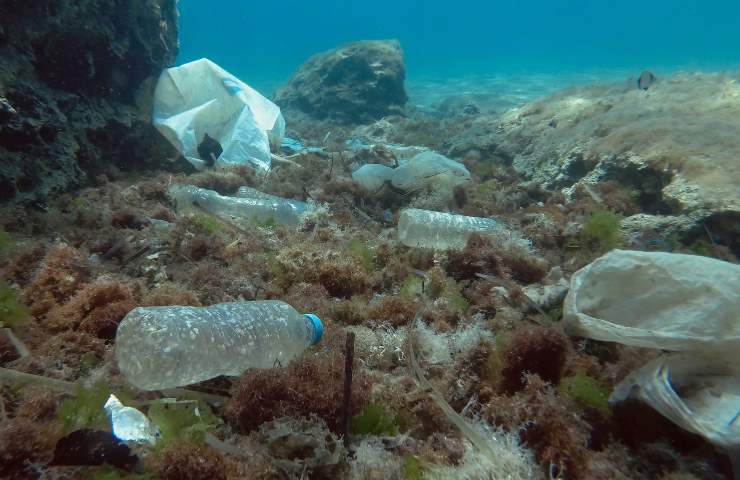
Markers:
<point>534,398</point>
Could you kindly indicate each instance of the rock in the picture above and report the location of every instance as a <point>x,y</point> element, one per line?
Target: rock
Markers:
<point>75,88</point>
<point>675,146</point>
<point>356,83</point>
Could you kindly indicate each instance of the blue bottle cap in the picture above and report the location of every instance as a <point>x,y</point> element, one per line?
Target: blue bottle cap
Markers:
<point>318,328</point>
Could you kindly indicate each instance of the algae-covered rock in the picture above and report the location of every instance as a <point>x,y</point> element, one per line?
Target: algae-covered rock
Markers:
<point>355,83</point>
<point>675,145</point>
<point>74,91</point>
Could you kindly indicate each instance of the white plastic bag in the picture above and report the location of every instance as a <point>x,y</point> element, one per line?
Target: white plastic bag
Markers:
<point>660,300</point>
<point>201,98</point>
<point>669,301</point>
<point>699,393</point>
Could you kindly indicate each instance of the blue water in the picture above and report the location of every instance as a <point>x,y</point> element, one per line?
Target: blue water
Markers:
<point>264,42</point>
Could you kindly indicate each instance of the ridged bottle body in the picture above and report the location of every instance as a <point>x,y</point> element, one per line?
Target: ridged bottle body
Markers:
<point>442,231</point>
<point>173,346</point>
<point>243,211</point>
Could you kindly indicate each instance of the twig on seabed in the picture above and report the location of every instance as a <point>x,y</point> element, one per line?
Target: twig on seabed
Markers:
<point>280,159</point>
<point>349,356</point>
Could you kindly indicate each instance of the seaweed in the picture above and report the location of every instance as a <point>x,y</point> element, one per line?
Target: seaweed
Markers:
<point>413,286</point>
<point>85,409</point>
<point>587,391</point>
<point>12,311</point>
<point>182,421</point>
<point>600,231</point>
<point>106,472</point>
<point>412,468</point>
<point>362,253</point>
<point>374,419</point>
<point>5,242</point>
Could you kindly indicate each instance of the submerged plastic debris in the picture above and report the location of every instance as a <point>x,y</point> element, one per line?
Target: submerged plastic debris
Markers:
<point>447,231</point>
<point>424,169</point>
<point>165,347</point>
<point>128,423</point>
<point>200,103</point>
<point>249,208</point>
<point>669,301</point>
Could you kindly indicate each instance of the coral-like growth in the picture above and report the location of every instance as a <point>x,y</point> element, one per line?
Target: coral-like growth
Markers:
<point>65,355</point>
<point>394,309</point>
<point>97,309</point>
<point>558,437</point>
<point>170,294</point>
<point>478,256</point>
<point>22,443</point>
<point>308,386</point>
<point>533,349</point>
<point>186,461</point>
<point>343,277</point>
<point>62,272</point>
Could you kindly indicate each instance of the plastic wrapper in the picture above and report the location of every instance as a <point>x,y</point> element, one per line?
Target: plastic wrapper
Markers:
<point>669,301</point>
<point>699,393</point>
<point>676,302</point>
<point>200,98</point>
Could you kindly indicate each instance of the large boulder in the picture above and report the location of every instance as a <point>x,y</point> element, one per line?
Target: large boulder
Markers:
<point>675,145</point>
<point>356,83</point>
<point>76,82</point>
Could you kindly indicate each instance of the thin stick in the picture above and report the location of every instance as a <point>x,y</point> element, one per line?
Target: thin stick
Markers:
<point>20,377</point>
<point>349,356</point>
<point>279,159</point>
<point>20,347</point>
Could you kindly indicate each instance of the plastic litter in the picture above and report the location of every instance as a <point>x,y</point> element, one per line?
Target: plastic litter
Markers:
<point>447,231</point>
<point>699,393</point>
<point>401,152</point>
<point>199,101</point>
<point>250,207</point>
<point>669,301</point>
<point>423,169</point>
<point>165,347</point>
<point>128,423</point>
<point>294,146</point>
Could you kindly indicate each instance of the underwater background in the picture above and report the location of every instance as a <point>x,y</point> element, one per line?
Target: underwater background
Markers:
<point>461,240</point>
<point>263,43</point>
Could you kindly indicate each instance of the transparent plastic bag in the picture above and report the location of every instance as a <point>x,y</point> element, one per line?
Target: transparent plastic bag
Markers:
<point>200,98</point>
<point>700,393</point>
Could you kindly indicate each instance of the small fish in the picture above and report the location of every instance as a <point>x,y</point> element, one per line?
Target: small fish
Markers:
<point>646,80</point>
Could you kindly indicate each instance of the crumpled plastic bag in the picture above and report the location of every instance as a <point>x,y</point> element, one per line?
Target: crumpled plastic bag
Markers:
<point>699,393</point>
<point>676,302</point>
<point>660,300</point>
<point>201,98</point>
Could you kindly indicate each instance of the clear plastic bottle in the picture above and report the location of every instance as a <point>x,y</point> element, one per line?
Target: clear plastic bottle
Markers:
<point>244,210</point>
<point>447,231</point>
<point>166,347</point>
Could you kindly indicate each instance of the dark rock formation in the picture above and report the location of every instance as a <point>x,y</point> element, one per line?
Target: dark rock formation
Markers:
<point>76,80</point>
<point>355,83</point>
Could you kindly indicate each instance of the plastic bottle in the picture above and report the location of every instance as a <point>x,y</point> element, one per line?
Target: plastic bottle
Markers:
<point>447,231</point>
<point>250,207</point>
<point>165,347</point>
